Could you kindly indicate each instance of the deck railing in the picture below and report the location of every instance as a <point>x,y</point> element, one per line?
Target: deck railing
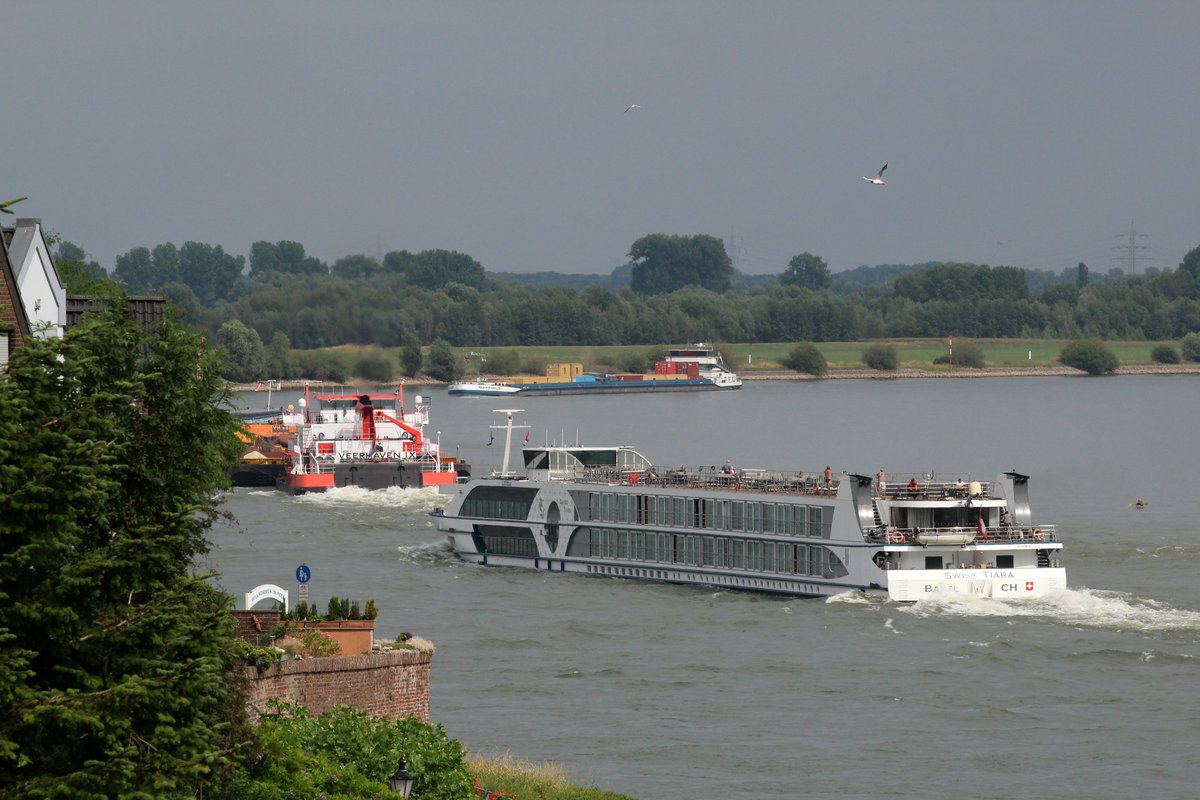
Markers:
<point>1001,534</point>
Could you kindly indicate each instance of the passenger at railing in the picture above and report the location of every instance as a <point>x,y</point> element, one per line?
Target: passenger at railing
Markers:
<point>881,479</point>
<point>828,479</point>
<point>727,468</point>
<point>1006,518</point>
<point>912,486</point>
<point>960,488</point>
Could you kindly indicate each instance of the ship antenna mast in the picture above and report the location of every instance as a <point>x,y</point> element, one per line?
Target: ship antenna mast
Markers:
<point>508,428</point>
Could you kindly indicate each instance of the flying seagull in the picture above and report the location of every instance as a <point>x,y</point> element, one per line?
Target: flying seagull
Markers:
<point>635,105</point>
<point>878,179</point>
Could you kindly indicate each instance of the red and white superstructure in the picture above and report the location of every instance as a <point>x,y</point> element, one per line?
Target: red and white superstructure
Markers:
<point>368,440</point>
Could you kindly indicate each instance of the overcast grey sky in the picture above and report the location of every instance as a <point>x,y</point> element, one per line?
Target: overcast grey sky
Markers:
<point>1022,133</point>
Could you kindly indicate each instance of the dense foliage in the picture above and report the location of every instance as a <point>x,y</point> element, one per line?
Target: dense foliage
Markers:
<point>882,357</point>
<point>345,755</point>
<point>805,357</point>
<point>680,292</point>
<point>1091,356</point>
<point>114,659</point>
<point>1164,354</point>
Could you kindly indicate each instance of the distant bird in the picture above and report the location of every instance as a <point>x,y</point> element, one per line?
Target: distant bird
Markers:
<point>878,179</point>
<point>635,105</point>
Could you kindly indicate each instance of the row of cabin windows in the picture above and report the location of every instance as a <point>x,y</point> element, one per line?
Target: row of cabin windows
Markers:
<point>522,545</point>
<point>714,514</point>
<point>489,508</point>
<point>715,551</point>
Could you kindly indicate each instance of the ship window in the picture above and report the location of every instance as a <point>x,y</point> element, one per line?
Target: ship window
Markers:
<point>693,549</point>
<point>801,562</point>
<point>1004,562</point>
<point>664,547</point>
<point>707,554</point>
<point>816,560</point>
<point>721,552</point>
<point>933,562</point>
<point>736,513</point>
<point>720,514</point>
<point>769,517</point>
<point>498,502</point>
<point>753,516</point>
<point>754,555</point>
<point>664,510</point>
<point>739,554</point>
<point>802,520</point>
<point>815,515</point>
<point>768,557</point>
<point>783,519</point>
<point>835,568</point>
<point>709,506</point>
<point>681,511</point>
<point>785,557</point>
<point>502,540</point>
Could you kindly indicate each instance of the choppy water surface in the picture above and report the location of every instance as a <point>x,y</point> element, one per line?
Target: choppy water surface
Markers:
<point>668,692</point>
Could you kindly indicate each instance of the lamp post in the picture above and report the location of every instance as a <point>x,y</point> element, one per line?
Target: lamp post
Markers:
<point>401,781</point>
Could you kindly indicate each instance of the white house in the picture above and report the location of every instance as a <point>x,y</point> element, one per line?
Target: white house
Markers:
<point>41,290</point>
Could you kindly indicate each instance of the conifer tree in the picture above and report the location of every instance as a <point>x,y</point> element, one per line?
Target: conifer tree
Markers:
<point>114,656</point>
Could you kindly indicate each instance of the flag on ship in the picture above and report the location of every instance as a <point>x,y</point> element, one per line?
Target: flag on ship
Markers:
<point>491,438</point>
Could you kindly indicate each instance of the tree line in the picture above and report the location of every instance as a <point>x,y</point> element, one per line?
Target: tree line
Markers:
<point>680,288</point>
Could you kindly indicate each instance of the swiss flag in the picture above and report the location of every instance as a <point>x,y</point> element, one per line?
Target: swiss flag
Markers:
<point>982,527</point>
<point>526,437</point>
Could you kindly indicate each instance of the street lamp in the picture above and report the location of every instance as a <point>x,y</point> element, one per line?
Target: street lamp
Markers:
<point>401,781</point>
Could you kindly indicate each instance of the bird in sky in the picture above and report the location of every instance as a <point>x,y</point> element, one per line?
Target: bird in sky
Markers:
<point>634,105</point>
<point>878,179</point>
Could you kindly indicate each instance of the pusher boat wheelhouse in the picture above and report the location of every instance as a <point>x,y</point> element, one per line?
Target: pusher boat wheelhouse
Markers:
<point>609,511</point>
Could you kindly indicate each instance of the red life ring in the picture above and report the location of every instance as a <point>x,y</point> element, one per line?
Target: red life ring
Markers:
<point>1038,535</point>
<point>895,536</point>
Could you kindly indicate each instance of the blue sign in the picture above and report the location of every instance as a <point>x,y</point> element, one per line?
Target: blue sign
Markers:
<point>303,573</point>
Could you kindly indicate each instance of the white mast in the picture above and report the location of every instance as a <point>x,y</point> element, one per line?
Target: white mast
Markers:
<point>508,428</point>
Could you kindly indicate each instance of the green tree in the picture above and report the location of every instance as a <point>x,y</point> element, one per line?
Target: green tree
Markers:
<point>805,357</point>
<point>79,275</point>
<point>807,271</point>
<point>663,263</point>
<point>411,357</point>
<point>114,668</point>
<point>284,256</point>
<point>1164,354</point>
<point>1191,263</point>
<point>441,365</point>
<point>277,357</point>
<point>209,270</point>
<point>374,366</point>
<point>358,266</point>
<point>882,357</point>
<point>134,269</point>
<point>1189,347</point>
<point>434,269</point>
<point>1090,355</point>
<point>1081,276</point>
<point>244,351</point>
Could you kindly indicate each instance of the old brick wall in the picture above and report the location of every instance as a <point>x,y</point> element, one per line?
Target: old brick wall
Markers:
<point>392,685</point>
<point>252,625</point>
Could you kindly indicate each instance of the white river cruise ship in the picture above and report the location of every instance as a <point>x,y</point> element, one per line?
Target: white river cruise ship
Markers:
<point>609,511</point>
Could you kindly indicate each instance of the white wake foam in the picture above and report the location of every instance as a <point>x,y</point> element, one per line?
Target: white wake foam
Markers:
<point>415,500</point>
<point>1088,608</point>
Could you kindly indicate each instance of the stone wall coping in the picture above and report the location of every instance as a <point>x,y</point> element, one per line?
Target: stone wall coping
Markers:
<point>301,666</point>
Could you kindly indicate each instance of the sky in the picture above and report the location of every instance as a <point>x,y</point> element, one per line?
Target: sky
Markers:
<point>1031,134</point>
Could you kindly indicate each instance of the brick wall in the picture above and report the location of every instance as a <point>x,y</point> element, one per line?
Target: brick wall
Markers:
<point>392,685</point>
<point>254,625</point>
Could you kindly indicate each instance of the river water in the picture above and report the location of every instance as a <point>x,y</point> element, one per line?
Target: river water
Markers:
<point>666,692</point>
